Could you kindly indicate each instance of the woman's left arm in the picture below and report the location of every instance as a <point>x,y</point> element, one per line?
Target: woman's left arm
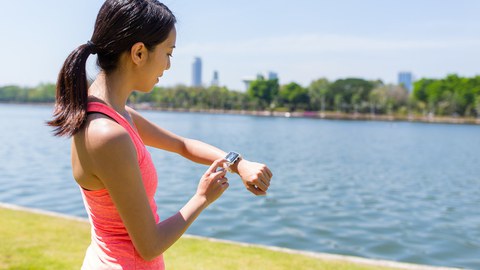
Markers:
<point>255,176</point>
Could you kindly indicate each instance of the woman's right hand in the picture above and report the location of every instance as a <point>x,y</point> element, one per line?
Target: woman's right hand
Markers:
<point>213,182</point>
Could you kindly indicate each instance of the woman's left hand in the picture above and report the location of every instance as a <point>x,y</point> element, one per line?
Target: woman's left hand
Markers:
<point>255,176</point>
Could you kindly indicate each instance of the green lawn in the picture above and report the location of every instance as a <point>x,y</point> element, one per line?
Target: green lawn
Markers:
<point>35,241</point>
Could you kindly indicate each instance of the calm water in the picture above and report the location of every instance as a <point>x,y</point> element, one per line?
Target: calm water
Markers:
<point>399,191</point>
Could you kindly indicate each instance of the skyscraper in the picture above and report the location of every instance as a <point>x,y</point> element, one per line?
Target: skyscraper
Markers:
<point>406,79</point>
<point>197,72</point>
<point>215,80</point>
<point>272,75</point>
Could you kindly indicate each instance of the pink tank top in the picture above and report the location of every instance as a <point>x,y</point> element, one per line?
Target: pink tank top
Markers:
<point>111,246</point>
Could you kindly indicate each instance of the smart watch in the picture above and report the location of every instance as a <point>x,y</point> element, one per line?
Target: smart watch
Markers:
<point>231,158</point>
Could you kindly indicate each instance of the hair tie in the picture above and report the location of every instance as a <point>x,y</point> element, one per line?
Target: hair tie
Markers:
<point>92,47</point>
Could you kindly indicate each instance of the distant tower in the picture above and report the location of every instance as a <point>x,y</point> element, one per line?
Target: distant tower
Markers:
<point>272,75</point>
<point>197,72</point>
<point>215,80</point>
<point>247,81</point>
<point>406,79</point>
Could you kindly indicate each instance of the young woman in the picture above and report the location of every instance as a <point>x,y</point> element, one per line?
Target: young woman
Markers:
<point>134,40</point>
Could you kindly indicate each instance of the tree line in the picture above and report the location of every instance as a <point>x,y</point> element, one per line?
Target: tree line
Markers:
<point>449,96</point>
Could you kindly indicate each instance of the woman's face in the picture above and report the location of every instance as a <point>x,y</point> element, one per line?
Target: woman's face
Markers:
<point>158,61</point>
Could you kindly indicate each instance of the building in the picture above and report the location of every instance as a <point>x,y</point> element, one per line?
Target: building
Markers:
<point>405,79</point>
<point>270,75</point>
<point>197,72</point>
<point>247,81</point>
<point>215,80</point>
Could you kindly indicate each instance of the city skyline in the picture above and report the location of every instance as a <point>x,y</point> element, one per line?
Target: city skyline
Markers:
<point>405,79</point>
<point>197,72</point>
<point>371,40</point>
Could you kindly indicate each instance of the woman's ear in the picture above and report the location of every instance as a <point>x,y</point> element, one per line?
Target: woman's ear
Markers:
<point>138,53</point>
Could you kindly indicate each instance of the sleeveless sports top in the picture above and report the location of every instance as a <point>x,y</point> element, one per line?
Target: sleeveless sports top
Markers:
<point>111,246</point>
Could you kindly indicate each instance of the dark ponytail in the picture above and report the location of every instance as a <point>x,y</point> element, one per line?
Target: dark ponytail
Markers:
<point>72,93</point>
<point>119,25</point>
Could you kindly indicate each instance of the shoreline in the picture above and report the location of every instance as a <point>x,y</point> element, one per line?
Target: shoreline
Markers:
<point>325,115</point>
<point>431,119</point>
<point>311,254</point>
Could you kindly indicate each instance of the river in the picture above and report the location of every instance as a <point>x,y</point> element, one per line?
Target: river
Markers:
<point>386,190</point>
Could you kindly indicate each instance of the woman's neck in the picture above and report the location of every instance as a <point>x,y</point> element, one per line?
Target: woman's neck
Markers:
<point>113,89</point>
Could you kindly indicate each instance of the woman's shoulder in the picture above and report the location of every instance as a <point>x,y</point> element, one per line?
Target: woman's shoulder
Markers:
<point>99,144</point>
<point>102,133</point>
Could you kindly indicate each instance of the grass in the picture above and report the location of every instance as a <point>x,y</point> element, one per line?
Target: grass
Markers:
<point>36,241</point>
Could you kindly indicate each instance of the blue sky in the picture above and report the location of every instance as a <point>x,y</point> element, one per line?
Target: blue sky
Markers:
<point>301,40</point>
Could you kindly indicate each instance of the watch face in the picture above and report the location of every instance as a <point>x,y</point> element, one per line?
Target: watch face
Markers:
<point>231,157</point>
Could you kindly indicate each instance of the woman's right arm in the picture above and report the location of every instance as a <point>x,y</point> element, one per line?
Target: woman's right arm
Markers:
<point>114,161</point>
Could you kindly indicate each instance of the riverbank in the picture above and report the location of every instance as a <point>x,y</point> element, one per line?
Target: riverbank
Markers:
<point>36,239</point>
<point>327,115</point>
<point>308,114</point>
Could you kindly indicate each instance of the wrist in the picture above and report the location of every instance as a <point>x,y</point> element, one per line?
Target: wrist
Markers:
<point>237,165</point>
<point>233,159</point>
<point>200,200</point>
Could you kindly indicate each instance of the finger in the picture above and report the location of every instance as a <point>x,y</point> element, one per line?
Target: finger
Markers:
<point>256,191</point>
<point>225,166</point>
<point>218,174</point>
<point>225,185</point>
<point>260,185</point>
<point>222,180</point>
<point>266,185</point>
<point>270,174</point>
<point>265,178</point>
<point>217,163</point>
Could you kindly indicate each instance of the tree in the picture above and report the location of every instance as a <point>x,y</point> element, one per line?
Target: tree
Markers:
<point>317,91</point>
<point>13,93</point>
<point>263,91</point>
<point>420,89</point>
<point>349,93</point>
<point>452,95</point>
<point>42,93</point>
<point>295,96</point>
<point>378,100</point>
